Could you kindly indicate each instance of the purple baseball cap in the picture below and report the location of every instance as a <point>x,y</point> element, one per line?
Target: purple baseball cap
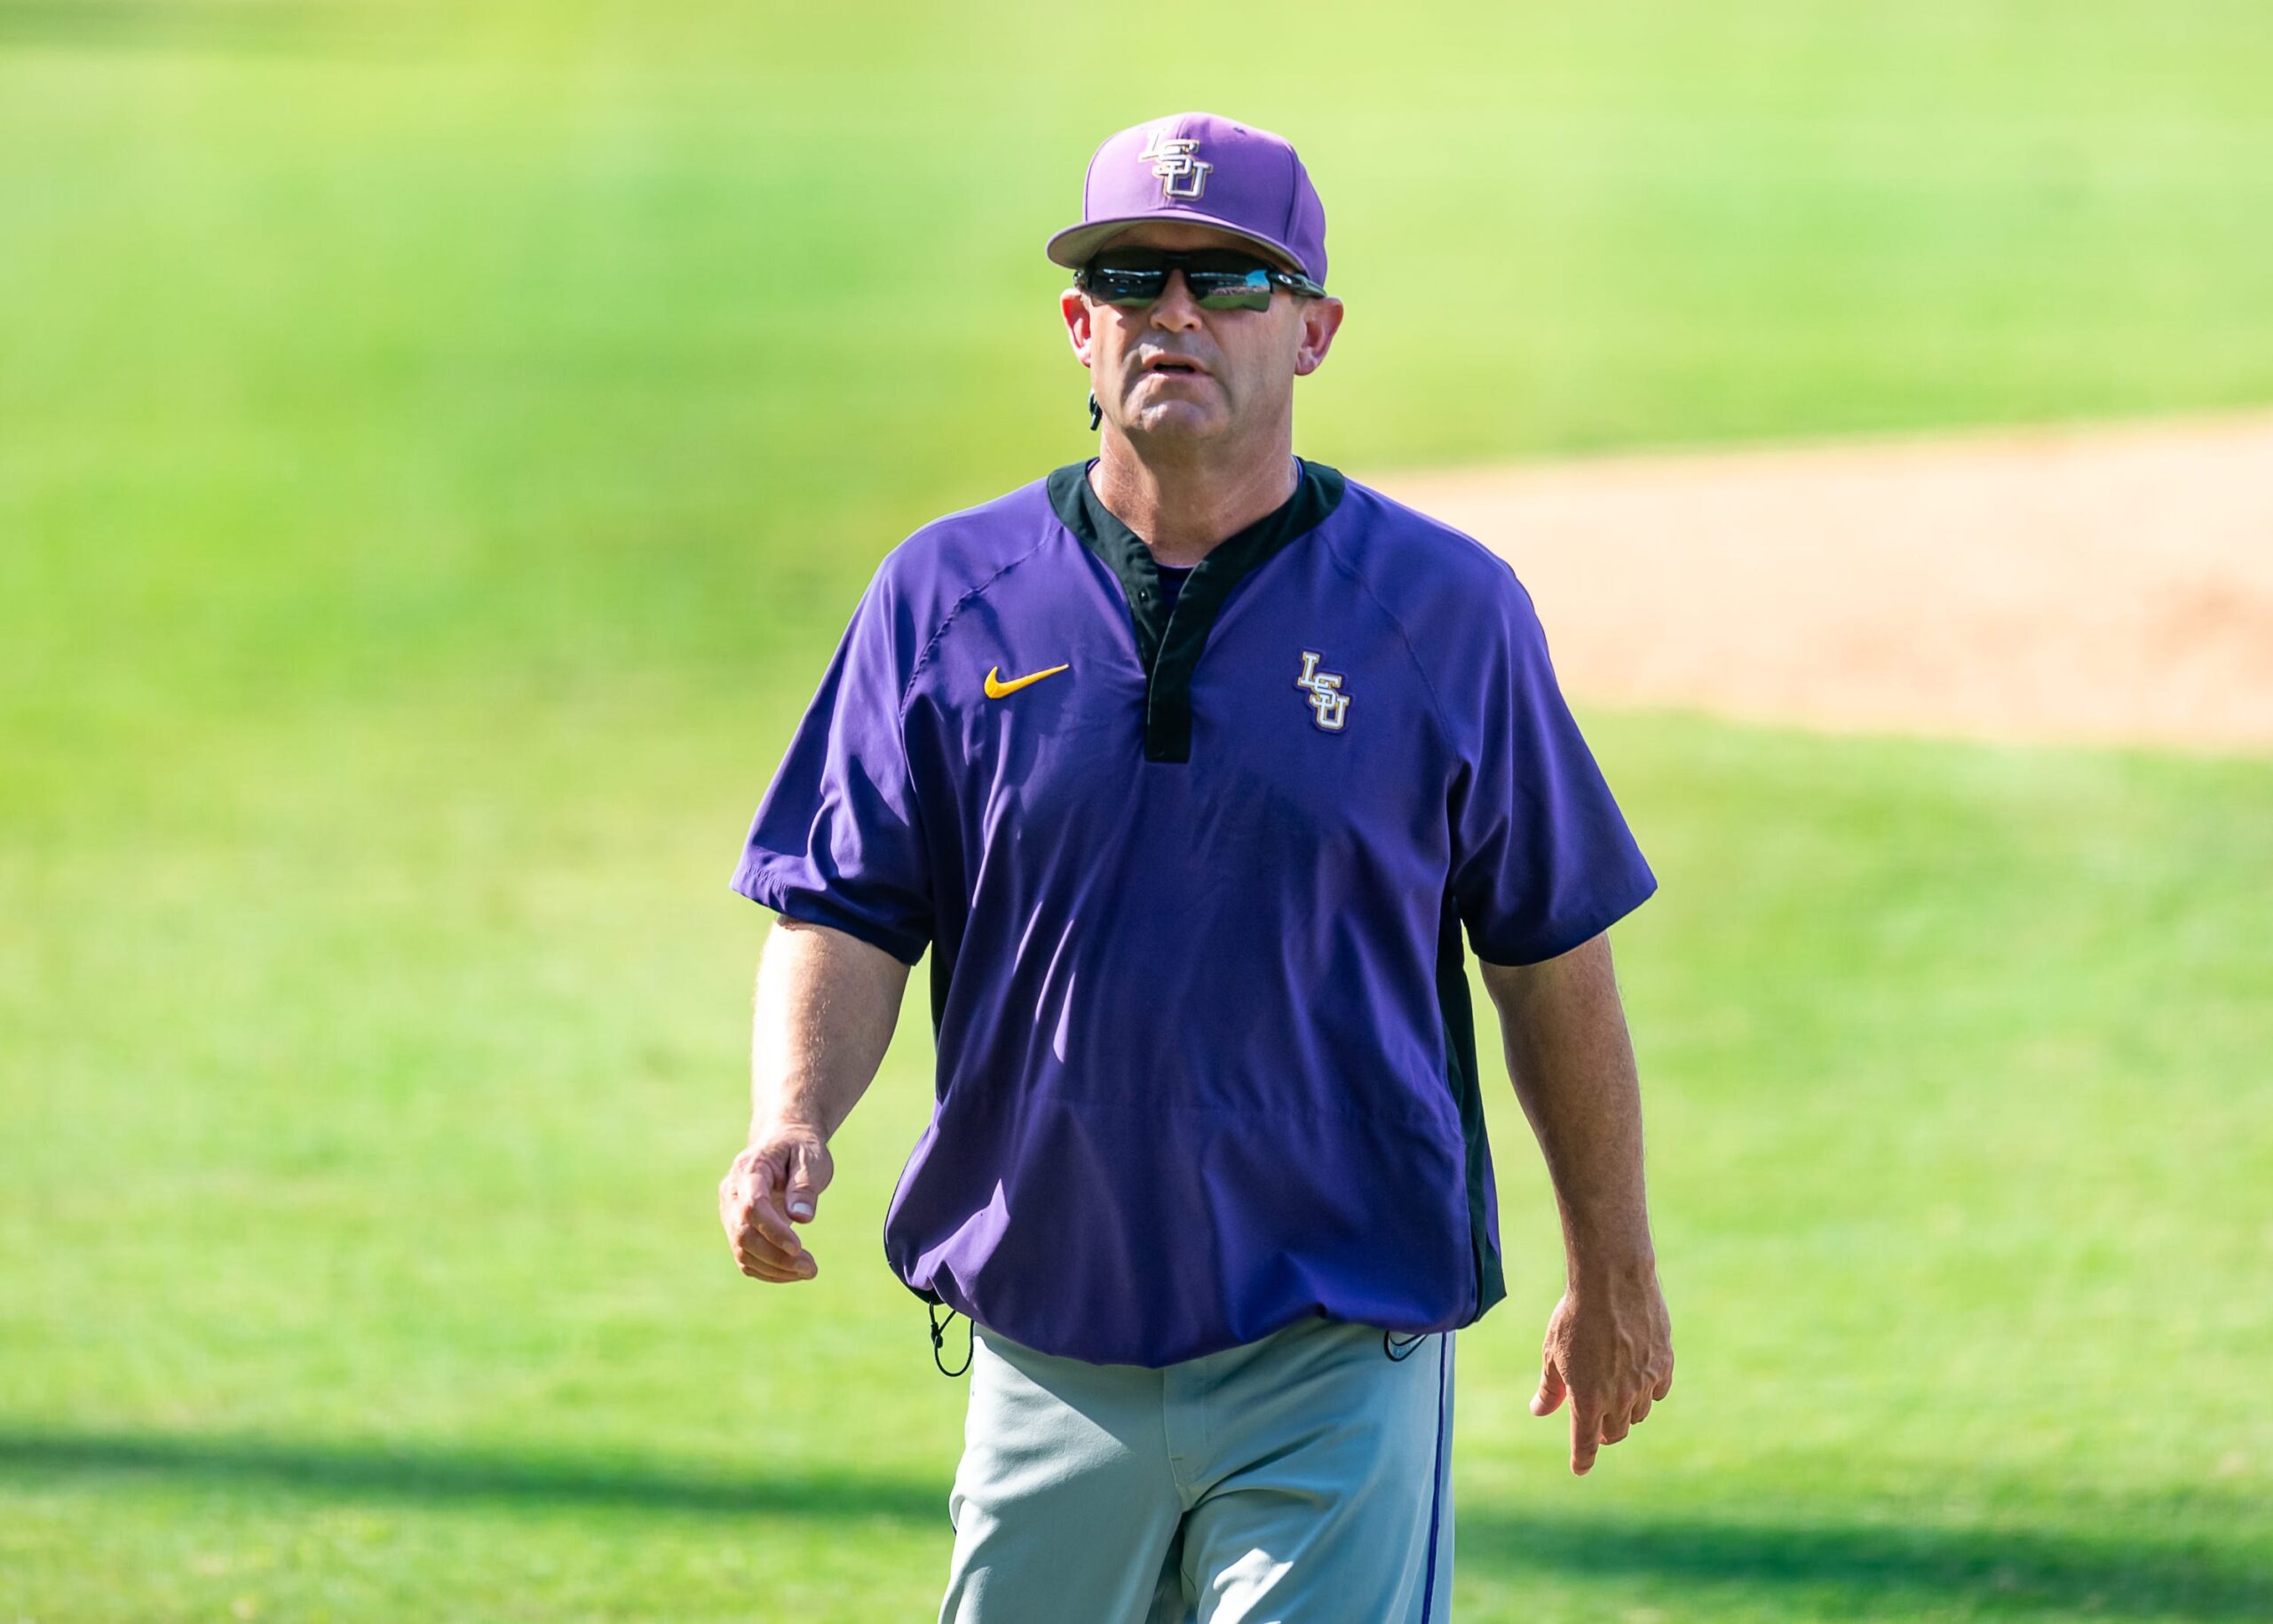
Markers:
<point>1207,170</point>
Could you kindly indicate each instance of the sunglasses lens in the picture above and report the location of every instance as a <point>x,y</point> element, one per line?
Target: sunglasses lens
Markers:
<point>1118,284</point>
<point>1219,281</point>
<point>1231,289</point>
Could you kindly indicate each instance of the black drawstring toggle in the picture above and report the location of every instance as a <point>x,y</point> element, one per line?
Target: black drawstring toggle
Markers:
<point>938,1333</point>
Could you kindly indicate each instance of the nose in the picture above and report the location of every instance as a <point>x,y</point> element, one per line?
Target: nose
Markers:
<point>1176,307</point>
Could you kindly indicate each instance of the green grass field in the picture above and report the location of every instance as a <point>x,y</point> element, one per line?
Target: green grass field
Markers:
<point>435,460</point>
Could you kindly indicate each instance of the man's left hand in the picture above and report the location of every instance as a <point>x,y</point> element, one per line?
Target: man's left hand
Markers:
<point>1609,1348</point>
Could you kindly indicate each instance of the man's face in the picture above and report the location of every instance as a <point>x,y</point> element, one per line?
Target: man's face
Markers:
<point>1248,360</point>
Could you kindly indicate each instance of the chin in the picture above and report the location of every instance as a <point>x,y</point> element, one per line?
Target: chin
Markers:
<point>1178,420</point>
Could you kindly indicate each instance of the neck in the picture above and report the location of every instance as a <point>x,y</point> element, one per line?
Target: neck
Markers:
<point>1183,506</point>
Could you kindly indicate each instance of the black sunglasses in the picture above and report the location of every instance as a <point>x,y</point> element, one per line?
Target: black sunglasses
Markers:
<point>1219,278</point>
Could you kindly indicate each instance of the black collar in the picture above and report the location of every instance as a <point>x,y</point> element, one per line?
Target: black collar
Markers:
<point>1168,644</point>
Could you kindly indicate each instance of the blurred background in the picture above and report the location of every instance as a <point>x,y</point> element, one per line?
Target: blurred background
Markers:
<point>439,448</point>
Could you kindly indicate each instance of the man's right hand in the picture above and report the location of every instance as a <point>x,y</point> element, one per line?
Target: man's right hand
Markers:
<point>779,1178</point>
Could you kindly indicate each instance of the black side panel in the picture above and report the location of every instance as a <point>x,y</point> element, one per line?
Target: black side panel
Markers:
<point>1459,1015</point>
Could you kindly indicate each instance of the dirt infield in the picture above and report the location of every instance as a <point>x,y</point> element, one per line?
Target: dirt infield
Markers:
<point>2108,584</point>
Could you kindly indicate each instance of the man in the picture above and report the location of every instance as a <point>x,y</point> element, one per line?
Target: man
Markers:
<point>1190,763</point>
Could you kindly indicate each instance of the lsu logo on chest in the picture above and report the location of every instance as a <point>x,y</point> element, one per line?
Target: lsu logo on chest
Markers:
<point>1329,705</point>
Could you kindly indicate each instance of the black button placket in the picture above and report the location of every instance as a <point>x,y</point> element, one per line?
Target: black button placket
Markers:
<point>1168,644</point>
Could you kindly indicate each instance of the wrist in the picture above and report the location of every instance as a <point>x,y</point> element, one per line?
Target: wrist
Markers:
<point>1608,1268</point>
<point>787,1121</point>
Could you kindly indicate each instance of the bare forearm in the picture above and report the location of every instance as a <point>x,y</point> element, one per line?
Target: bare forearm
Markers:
<point>825,1007</point>
<point>1572,1061</point>
<point>824,1012</point>
<point>1609,1343</point>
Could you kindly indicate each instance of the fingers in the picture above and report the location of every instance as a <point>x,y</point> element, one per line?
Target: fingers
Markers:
<point>1586,1436</point>
<point>762,1211</point>
<point>1591,1359</point>
<point>762,1262</point>
<point>809,1175</point>
<point>1593,1430</point>
<point>1551,1390</point>
<point>764,1246</point>
<point>757,1253</point>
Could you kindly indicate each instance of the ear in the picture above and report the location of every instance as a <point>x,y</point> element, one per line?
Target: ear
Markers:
<point>1321,319</point>
<point>1081,325</point>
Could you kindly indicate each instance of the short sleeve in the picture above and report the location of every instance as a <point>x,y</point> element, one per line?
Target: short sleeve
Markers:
<point>837,839</point>
<point>1542,859</point>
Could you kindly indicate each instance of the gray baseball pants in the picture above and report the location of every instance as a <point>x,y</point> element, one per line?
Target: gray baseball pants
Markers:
<point>1302,1477</point>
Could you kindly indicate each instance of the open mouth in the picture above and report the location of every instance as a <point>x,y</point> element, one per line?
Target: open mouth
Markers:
<point>1180,369</point>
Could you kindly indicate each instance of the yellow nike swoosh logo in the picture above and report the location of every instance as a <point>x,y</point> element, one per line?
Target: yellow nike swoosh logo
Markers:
<point>996,687</point>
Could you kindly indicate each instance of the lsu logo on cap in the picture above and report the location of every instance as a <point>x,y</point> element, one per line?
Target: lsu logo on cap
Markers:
<point>1173,159</point>
<point>1329,704</point>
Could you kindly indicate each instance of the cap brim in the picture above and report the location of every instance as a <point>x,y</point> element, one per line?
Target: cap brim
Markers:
<point>1072,247</point>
